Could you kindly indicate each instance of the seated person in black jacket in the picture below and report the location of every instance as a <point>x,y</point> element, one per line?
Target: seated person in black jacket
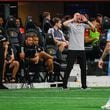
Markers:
<point>30,56</point>
<point>43,56</point>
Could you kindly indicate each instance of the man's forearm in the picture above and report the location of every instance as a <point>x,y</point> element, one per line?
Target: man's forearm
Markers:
<point>92,26</point>
<point>104,54</point>
<point>65,23</point>
<point>106,50</point>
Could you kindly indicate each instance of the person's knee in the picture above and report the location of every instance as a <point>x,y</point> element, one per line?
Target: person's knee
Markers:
<point>49,62</point>
<point>16,63</point>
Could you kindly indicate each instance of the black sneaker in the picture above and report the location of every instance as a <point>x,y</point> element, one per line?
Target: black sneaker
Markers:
<point>65,88</point>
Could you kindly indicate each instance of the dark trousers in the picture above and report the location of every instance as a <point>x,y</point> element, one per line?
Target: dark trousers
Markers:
<point>71,58</point>
<point>29,66</point>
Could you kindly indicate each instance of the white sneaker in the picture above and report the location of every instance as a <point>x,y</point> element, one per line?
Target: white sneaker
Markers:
<point>105,107</point>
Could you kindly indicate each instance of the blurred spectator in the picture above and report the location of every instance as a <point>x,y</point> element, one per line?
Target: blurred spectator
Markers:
<point>3,38</point>
<point>20,25</point>
<point>92,36</point>
<point>21,30</point>
<point>58,35</point>
<point>99,19</point>
<point>104,21</point>
<point>95,34</point>
<point>46,22</point>
<point>9,62</point>
<point>45,57</point>
<point>30,56</point>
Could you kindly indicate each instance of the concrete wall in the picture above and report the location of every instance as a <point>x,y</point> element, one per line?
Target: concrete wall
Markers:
<point>36,8</point>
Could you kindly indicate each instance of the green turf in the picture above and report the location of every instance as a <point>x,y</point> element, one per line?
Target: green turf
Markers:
<point>53,99</point>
